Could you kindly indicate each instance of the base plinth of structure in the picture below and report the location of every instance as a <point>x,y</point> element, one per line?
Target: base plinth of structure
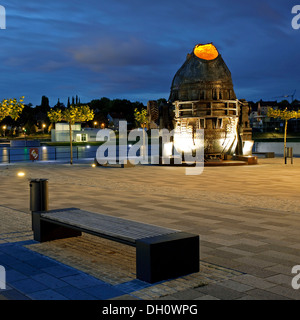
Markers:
<point>237,161</point>
<point>248,159</point>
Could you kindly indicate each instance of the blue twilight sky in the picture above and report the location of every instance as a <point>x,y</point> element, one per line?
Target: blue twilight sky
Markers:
<point>131,49</point>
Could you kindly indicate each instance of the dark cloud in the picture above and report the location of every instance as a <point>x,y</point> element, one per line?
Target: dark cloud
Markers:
<point>133,48</point>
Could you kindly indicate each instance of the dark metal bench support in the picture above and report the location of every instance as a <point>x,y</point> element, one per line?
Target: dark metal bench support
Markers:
<point>167,256</point>
<point>47,231</point>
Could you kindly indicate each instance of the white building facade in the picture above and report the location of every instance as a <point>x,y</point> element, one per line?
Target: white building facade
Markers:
<point>61,133</point>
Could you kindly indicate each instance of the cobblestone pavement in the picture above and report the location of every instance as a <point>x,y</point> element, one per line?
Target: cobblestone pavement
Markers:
<point>247,218</point>
<point>41,271</point>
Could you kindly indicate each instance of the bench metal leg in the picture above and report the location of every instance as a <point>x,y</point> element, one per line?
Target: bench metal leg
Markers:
<point>47,231</point>
<point>167,256</point>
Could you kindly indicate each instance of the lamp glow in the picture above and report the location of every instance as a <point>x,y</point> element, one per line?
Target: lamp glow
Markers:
<point>21,174</point>
<point>206,51</point>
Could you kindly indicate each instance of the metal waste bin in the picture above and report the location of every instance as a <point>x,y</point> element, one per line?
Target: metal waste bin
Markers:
<point>39,198</point>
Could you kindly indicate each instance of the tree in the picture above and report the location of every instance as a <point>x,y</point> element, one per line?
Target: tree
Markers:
<point>141,117</point>
<point>71,115</point>
<point>285,115</point>
<point>59,105</point>
<point>11,107</point>
<point>45,102</point>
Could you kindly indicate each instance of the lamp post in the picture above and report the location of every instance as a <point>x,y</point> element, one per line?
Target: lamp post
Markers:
<point>44,126</point>
<point>95,124</point>
<point>24,130</point>
<point>4,128</point>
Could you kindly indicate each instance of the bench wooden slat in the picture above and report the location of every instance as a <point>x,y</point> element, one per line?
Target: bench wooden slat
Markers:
<point>114,227</point>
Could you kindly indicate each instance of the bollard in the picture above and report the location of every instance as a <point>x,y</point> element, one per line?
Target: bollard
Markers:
<point>39,199</point>
<point>288,154</point>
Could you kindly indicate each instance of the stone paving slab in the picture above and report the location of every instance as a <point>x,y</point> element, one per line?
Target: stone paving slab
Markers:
<point>82,268</point>
<point>247,218</point>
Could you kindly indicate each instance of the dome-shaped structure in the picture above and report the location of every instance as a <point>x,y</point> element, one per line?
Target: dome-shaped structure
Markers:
<point>202,98</point>
<point>203,76</point>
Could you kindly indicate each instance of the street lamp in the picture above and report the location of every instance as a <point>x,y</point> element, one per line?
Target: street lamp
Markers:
<point>95,123</point>
<point>24,129</point>
<point>4,128</point>
<point>44,126</point>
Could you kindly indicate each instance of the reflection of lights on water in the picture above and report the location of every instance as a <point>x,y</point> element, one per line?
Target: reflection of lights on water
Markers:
<point>5,153</point>
<point>21,174</point>
<point>88,147</point>
<point>44,148</point>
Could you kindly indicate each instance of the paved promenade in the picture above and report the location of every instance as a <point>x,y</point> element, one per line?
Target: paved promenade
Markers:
<point>248,219</point>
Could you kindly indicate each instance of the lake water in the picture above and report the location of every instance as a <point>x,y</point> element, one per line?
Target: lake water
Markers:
<point>10,155</point>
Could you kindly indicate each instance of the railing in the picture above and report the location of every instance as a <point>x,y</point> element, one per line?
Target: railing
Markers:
<point>49,153</point>
<point>9,155</point>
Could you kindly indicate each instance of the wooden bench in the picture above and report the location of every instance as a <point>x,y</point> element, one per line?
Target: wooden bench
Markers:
<point>161,253</point>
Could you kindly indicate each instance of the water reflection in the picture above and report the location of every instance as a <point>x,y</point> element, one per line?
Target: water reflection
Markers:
<point>49,153</point>
<point>8,154</point>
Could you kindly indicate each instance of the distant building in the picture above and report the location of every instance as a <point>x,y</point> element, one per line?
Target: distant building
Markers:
<point>260,122</point>
<point>61,133</point>
<point>114,119</point>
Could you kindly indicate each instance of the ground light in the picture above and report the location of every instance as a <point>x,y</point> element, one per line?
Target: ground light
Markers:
<point>21,174</point>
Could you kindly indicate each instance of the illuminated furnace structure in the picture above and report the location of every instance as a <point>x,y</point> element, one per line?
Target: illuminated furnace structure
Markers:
<point>202,97</point>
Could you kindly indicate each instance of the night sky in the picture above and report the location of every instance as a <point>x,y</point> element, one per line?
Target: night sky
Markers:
<point>131,49</point>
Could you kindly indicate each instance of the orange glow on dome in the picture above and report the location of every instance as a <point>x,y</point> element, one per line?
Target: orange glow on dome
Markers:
<point>206,51</point>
